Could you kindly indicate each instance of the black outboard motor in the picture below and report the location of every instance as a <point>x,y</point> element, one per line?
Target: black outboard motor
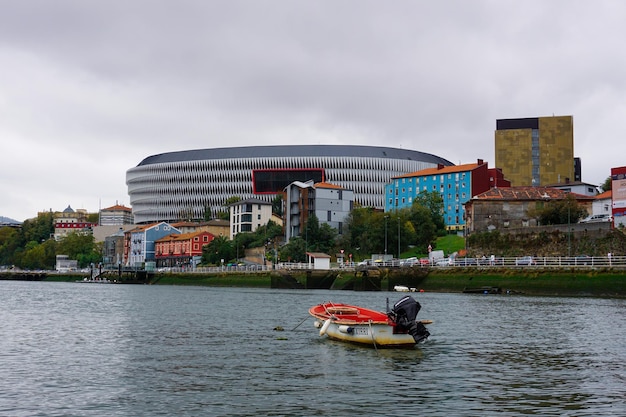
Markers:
<point>404,313</point>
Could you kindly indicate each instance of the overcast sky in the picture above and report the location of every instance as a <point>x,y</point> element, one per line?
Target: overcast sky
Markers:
<point>90,88</point>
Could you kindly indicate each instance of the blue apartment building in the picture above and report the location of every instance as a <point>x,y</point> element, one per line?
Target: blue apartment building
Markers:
<point>456,185</point>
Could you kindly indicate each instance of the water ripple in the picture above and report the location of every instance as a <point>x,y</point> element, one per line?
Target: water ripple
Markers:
<point>82,350</point>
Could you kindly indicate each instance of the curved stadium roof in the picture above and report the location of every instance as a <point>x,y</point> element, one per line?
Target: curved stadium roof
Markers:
<point>285,151</point>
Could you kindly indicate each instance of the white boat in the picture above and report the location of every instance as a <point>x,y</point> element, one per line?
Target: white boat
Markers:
<point>397,328</point>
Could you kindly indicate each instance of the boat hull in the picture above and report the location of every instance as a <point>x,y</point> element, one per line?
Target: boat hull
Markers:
<point>379,335</point>
<point>359,325</point>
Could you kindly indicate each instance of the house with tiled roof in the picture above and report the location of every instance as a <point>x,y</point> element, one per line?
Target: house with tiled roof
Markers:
<point>139,246</point>
<point>508,208</point>
<point>577,187</point>
<point>180,249</point>
<point>72,221</point>
<point>116,215</point>
<point>456,184</point>
<point>602,203</point>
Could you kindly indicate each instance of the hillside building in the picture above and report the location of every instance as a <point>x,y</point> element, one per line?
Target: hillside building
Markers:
<point>456,185</point>
<point>330,203</point>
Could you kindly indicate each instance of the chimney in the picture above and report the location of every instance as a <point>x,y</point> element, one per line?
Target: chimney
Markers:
<point>479,161</point>
<point>439,166</point>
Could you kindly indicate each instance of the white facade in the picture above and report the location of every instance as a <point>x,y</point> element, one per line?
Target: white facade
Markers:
<point>576,187</point>
<point>163,186</point>
<point>602,204</point>
<point>248,215</point>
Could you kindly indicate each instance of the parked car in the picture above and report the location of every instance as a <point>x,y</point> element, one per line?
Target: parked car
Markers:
<point>597,218</point>
<point>525,260</point>
<point>443,262</point>
<point>465,261</point>
<point>409,261</point>
<point>583,260</point>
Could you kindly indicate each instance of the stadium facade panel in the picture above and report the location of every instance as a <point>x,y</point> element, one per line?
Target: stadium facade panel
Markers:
<point>184,185</point>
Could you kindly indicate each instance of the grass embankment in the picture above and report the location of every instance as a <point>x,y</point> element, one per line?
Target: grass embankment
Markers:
<point>448,244</point>
<point>598,283</point>
<point>532,282</point>
<point>256,280</point>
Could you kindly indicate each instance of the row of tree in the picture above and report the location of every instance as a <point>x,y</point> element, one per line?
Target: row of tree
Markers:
<point>33,246</point>
<point>367,231</point>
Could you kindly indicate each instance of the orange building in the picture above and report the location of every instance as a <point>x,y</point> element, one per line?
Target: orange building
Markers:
<point>179,249</point>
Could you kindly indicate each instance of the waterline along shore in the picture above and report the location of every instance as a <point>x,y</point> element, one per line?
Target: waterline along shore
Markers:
<point>529,281</point>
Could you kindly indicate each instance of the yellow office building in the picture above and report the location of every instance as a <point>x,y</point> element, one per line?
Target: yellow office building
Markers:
<point>536,151</point>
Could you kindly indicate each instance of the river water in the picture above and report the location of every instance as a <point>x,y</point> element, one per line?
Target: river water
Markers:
<point>69,349</point>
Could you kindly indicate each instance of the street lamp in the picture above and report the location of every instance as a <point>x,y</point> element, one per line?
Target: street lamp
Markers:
<point>398,236</point>
<point>386,217</point>
<point>569,230</point>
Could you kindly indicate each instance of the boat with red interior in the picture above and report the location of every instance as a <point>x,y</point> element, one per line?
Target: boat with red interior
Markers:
<point>396,328</point>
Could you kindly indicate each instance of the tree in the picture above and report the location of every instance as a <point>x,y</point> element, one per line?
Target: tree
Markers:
<point>326,238</point>
<point>607,184</point>
<point>208,215</point>
<point>563,211</point>
<point>8,245</point>
<point>294,251</point>
<point>277,205</point>
<point>311,231</point>
<point>79,246</point>
<point>37,230</point>
<point>433,202</point>
<point>424,226</point>
<point>219,248</point>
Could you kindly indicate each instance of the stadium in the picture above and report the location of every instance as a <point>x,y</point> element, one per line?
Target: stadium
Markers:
<point>185,184</point>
